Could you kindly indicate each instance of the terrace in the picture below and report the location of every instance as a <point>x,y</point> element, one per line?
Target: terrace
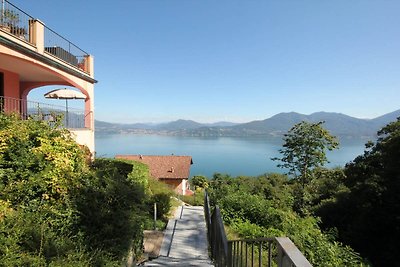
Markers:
<point>32,56</point>
<point>15,22</point>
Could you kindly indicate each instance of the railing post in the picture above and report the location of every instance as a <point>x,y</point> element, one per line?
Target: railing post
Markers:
<point>88,65</point>
<point>289,254</point>
<point>229,256</point>
<point>36,34</point>
<point>207,215</point>
<point>269,253</point>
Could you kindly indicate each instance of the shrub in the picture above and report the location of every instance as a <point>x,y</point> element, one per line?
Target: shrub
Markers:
<point>56,210</point>
<point>251,213</point>
<point>161,194</point>
<point>111,207</point>
<point>199,181</point>
<point>197,199</point>
<point>163,201</point>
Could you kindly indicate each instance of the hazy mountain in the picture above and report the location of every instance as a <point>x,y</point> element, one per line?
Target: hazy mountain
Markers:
<point>382,120</point>
<point>338,124</point>
<point>221,124</point>
<point>102,126</point>
<point>179,125</point>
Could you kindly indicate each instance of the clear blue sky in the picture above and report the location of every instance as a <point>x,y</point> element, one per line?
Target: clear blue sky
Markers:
<point>214,60</point>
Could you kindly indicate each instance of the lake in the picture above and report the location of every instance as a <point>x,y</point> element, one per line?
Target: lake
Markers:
<point>235,156</point>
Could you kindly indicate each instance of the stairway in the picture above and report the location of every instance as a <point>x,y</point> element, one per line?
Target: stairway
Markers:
<point>169,261</point>
<point>185,240</point>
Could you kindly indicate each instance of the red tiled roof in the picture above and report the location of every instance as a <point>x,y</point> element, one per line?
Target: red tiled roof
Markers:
<point>164,167</point>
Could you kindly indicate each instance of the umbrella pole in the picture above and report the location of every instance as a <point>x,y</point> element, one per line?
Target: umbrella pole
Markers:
<point>66,113</point>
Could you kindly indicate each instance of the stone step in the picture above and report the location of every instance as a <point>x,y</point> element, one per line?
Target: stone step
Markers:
<point>168,261</point>
<point>185,240</point>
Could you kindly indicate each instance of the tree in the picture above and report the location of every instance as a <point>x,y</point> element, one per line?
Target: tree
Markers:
<point>369,214</point>
<point>304,150</point>
<point>250,211</point>
<point>42,170</point>
<point>56,209</point>
<point>199,181</point>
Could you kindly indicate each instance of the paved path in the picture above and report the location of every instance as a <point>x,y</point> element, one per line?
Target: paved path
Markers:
<point>185,240</point>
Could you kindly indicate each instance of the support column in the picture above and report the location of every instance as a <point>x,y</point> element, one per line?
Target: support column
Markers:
<point>184,182</point>
<point>89,65</point>
<point>36,34</point>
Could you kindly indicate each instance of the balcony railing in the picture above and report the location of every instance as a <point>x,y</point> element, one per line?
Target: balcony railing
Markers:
<point>278,251</point>
<point>72,118</point>
<point>20,24</point>
<point>14,20</point>
<point>63,49</point>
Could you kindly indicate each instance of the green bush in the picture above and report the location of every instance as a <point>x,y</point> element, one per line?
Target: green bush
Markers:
<point>199,181</point>
<point>197,199</point>
<point>41,171</point>
<point>56,209</point>
<point>163,201</point>
<point>111,207</point>
<point>159,193</point>
<point>251,213</point>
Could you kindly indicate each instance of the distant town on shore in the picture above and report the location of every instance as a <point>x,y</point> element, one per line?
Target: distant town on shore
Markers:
<point>338,124</point>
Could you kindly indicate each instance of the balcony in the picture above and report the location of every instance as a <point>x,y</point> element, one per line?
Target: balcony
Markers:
<point>73,119</point>
<point>32,56</point>
<point>30,33</point>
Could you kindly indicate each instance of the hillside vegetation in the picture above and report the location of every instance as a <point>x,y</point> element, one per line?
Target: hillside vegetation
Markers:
<point>332,215</point>
<point>59,209</point>
<point>262,206</point>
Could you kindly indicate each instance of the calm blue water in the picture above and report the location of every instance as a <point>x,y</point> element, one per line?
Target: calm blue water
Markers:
<point>234,156</point>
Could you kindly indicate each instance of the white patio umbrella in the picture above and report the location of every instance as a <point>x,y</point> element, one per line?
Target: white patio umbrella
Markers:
<point>66,94</point>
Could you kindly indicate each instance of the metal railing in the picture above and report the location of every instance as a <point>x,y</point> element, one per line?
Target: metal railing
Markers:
<point>216,234</point>
<point>277,251</point>
<point>14,20</point>
<point>251,252</point>
<point>72,118</point>
<point>63,49</point>
<point>18,23</point>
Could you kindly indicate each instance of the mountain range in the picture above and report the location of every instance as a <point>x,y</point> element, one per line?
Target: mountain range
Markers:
<point>338,124</point>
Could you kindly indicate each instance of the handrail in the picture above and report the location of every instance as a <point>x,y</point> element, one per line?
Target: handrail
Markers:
<point>207,214</point>
<point>63,49</point>
<point>248,252</point>
<point>14,20</point>
<point>289,254</point>
<point>216,234</point>
<point>18,23</point>
<point>73,118</point>
<point>253,252</point>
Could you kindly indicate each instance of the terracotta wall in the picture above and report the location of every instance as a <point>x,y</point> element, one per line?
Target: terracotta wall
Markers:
<point>11,91</point>
<point>11,84</point>
<point>176,184</point>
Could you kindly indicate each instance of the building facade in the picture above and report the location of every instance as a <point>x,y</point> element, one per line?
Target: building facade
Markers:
<point>31,56</point>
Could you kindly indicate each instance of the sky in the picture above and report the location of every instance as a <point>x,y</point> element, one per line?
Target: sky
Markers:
<point>232,60</point>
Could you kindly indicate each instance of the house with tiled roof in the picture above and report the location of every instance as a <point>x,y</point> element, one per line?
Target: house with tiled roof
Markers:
<point>172,170</point>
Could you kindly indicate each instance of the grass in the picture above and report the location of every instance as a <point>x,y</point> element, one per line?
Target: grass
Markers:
<point>197,199</point>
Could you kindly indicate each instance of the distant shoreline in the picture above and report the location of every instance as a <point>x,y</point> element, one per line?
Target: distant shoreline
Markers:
<point>340,125</point>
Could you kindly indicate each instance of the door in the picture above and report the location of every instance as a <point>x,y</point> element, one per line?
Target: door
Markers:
<point>1,84</point>
<point>1,91</point>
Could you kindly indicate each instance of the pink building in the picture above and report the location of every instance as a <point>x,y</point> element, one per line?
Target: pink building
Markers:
<point>31,56</point>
